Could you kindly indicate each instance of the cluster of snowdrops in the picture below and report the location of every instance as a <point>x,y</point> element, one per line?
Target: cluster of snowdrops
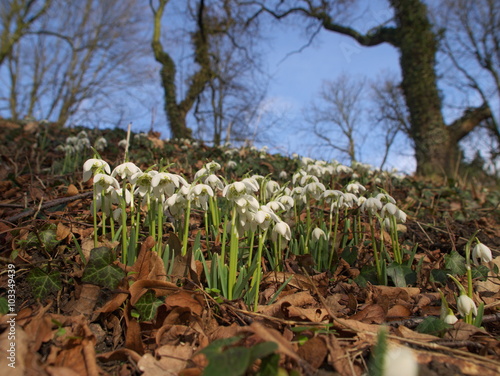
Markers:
<point>256,221</point>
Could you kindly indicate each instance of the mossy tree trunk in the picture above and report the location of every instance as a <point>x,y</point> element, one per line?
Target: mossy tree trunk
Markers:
<point>177,110</point>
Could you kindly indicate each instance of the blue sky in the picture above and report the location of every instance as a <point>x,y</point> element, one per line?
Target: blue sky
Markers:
<point>297,79</point>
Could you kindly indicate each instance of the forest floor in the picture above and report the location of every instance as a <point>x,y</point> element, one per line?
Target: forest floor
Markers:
<point>56,321</point>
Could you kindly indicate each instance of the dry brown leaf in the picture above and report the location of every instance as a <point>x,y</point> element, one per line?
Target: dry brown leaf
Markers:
<point>122,355</point>
<point>19,350</point>
<point>462,331</point>
<point>397,292</point>
<point>372,314</point>
<point>298,299</point>
<point>407,333</point>
<point>185,299</point>
<point>309,314</point>
<point>398,311</point>
<point>313,351</point>
<point>268,334</point>
<point>87,300</point>
<point>62,231</point>
<point>139,288</point>
<point>72,190</point>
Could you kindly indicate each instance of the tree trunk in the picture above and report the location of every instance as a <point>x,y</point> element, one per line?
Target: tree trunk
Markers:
<point>435,151</point>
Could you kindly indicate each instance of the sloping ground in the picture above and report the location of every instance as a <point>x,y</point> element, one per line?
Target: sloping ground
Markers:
<point>65,315</point>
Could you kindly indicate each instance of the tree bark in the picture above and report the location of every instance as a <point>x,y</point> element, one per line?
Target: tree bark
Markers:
<point>175,111</point>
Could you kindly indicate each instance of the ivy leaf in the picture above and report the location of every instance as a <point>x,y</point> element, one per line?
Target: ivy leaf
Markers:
<point>100,269</point>
<point>433,325</point>
<point>44,283</point>
<point>147,305</point>
<point>455,262</point>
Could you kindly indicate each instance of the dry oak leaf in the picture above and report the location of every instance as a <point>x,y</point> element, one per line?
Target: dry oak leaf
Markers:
<point>372,314</point>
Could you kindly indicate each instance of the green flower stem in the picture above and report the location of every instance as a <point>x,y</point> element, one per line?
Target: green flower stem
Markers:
<point>124,230</point>
<point>187,216</point>
<point>375,250</point>
<point>257,274</point>
<point>395,241</point>
<point>335,230</point>
<point>233,256</point>
<point>159,241</point>
<point>94,214</point>
<point>112,224</point>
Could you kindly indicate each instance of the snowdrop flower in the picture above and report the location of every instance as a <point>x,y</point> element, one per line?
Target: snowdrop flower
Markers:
<point>318,233</point>
<point>175,203</point>
<point>298,194</point>
<point>275,206</point>
<point>246,202</point>
<point>390,209</point>
<point>264,217</point>
<point>105,183</point>
<point>214,182</point>
<point>400,360</point>
<point>283,175</point>
<point>281,228</point>
<point>251,183</point>
<point>287,202</point>
<point>350,199</point>
<point>341,169</point>
<point>199,194</point>
<point>314,189</point>
<point>82,134</point>
<point>100,144</point>
<point>124,170</point>
<point>361,200</point>
<point>166,183</point>
<point>209,168</point>
<point>92,166</point>
<point>122,144</point>
<point>231,165</point>
<point>355,188</point>
<point>270,188</point>
<point>143,181</point>
<point>82,144</point>
<point>466,305</point>
<point>384,197</point>
<point>372,205</point>
<point>481,252</point>
<point>450,318</point>
<point>234,190</point>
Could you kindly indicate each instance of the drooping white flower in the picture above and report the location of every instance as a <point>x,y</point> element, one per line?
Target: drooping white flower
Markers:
<point>166,183</point>
<point>270,188</point>
<point>371,205</point>
<point>389,209</point>
<point>450,317</point>
<point>214,181</point>
<point>314,189</point>
<point>234,190</point>
<point>287,201</point>
<point>105,183</point>
<point>317,234</point>
<point>175,203</point>
<point>143,182</point>
<point>125,170</point>
<point>384,197</point>
<point>281,228</point>
<point>355,187</point>
<point>93,166</point>
<point>275,206</point>
<point>466,305</point>
<point>231,165</point>
<point>400,360</point>
<point>100,144</point>
<point>482,252</point>
<point>200,194</point>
